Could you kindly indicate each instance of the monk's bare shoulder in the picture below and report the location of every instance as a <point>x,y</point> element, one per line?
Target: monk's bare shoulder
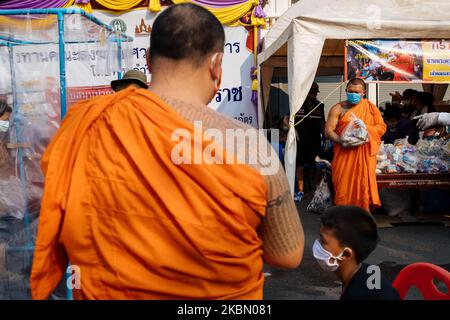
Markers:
<point>336,109</point>
<point>339,109</point>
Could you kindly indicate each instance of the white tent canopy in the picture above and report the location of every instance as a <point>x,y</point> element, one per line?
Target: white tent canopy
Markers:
<point>308,24</point>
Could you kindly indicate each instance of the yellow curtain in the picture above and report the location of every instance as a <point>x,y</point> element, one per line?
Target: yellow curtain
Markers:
<point>154,5</point>
<point>119,4</point>
<point>9,23</point>
<point>69,3</point>
<point>230,14</point>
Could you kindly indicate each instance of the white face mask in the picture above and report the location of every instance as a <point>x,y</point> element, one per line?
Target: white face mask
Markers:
<point>4,125</point>
<point>324,257</point>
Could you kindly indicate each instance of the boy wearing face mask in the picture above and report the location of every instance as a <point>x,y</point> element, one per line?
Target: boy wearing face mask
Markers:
<point>348,235</point>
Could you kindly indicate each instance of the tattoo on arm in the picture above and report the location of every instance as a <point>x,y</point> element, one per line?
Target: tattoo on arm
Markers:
<point>279,200</point>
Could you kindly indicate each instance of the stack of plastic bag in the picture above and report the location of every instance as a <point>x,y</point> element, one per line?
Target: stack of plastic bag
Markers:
<point>427,156</point>
<point>434,155</point>
<point>433,165</point>
<point>397,158</point>
<point>407,160</point>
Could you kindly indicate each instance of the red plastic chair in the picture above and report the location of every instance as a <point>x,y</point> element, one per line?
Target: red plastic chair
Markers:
<point>421,275</point>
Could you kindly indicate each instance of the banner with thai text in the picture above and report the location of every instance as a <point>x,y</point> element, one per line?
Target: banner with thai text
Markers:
<point>234,98</point>
<point>95,64</point>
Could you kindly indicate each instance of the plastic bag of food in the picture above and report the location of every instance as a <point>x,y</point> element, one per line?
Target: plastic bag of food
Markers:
<point>408,162</point>
<point>445,150</point>
<point>429,148</point>
<point>382,165</point>
<point>410,159</point>
<point>381,155</point>
<point>404,145</point>
<point>355,135</point>
<point>390,150</point>
<point>322,199</point>
<point>406,168</point>
<point>391,168</point>
<point>432,165</point>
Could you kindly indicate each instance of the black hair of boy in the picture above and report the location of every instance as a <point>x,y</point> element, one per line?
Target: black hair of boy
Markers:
<point>353,227</point>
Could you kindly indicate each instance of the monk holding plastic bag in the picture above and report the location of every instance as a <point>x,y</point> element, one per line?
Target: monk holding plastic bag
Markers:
<point>356,127</point>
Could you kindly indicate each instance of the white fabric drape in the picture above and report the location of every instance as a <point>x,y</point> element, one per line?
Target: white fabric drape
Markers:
<point>307,47</point>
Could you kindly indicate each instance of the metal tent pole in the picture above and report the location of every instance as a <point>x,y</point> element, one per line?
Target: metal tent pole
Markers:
<point>19,122</point>
<point>119,57</point>
<point>62,64</point>
<point>63,102</point>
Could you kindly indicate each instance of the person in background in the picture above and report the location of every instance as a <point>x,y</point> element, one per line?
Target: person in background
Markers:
<point>353,167</point>
<point>348,235</point>
<point>405,101</point>
<point>423,103</point>
<point>139,217</point>
<point>408,99</point>
<point>5,114</point>
<point>134,78</point>
<point>7,221</point>
<point>310,132</point>
<point>398,127</point>
<point>396,98</point>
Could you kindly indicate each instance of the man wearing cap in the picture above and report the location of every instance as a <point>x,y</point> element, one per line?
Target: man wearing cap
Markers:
<point>134,78</point>
<point>310,132</point>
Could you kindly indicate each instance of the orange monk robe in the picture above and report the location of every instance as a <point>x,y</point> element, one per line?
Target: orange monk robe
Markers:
<point>353,169</point>
<point>137,225</point>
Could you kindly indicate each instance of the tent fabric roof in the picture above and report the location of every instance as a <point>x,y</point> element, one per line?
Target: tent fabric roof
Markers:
<point>364,19</point>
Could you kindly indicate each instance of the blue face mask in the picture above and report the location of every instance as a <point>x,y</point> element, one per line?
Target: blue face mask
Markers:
<point>353,97</point>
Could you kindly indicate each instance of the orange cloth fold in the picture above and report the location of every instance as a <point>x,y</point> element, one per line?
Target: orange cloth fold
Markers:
<point>354,169</point>
<point>137,225</point>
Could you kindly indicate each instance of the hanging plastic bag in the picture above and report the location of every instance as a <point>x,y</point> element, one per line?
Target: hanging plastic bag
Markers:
<point>355,133</point>
<point>322,198</point>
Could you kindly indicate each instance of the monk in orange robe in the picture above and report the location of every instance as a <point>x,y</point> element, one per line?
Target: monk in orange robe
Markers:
<point>354,167</point>
<point>133,221</point>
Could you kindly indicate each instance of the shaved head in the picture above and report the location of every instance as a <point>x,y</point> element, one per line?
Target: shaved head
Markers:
<point>357,82</point>
<point>186,32</point>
